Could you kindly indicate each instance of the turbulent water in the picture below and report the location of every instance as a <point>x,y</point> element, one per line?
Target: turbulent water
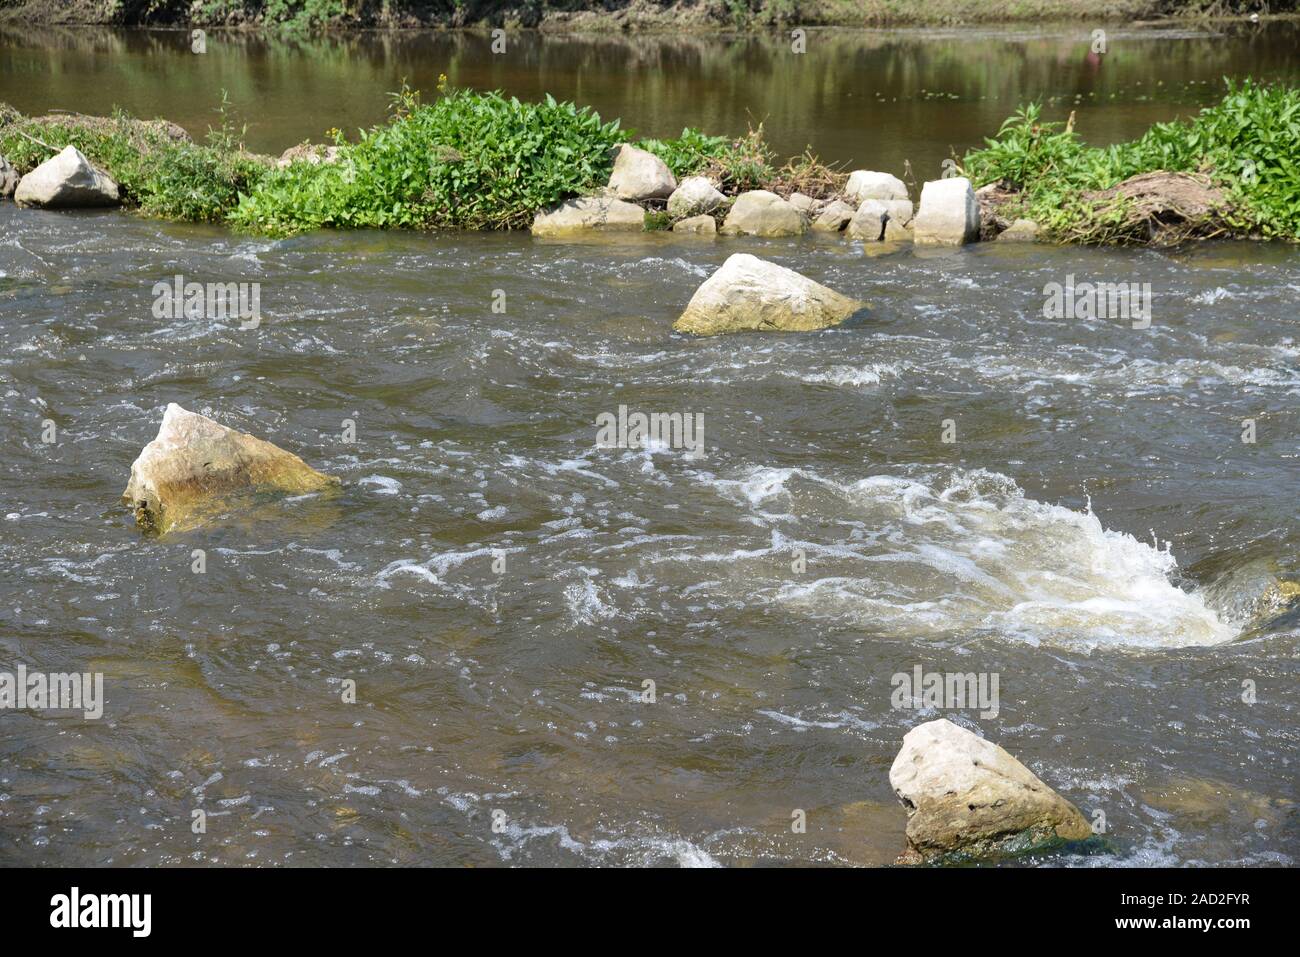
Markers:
<point>500,588</point>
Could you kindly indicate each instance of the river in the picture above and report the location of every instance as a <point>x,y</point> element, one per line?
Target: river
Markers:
<point>505,594</point>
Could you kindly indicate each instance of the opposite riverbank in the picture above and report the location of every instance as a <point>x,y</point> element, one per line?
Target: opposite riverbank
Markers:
<point>470,160</point>
<point>614,15</point>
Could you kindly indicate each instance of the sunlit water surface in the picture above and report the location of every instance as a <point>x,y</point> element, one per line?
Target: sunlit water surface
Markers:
<point>500,589</point>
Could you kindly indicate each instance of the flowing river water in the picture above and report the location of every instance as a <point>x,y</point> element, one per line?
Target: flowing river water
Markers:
<point>955,481</point>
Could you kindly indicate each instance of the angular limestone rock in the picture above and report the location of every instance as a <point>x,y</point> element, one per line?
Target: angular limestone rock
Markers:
<point>702,225</point>
<point>67,181</point>
<point>897,231</point>
<point>586,213</point>
<point>8,178</point>
<point>751,294</point>
<point>639,175</point>
<point>867,184</point>
<point>763,213</point>
<point>949,214</point>
<point>805,204</point>
<point>868,223</point>
<point>694,196</point>
<point>180,476</point>
<point>967,796</point>
<point>871,222</point>
<point>834,216</point>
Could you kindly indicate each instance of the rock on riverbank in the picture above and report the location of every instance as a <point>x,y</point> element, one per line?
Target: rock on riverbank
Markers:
<point>966,796</point>
<point>601,213</point>
<point>67,181</point>
<point>639,175</point>
<point>748,294</point>
<point>182,473</point>
<point>949,213</point>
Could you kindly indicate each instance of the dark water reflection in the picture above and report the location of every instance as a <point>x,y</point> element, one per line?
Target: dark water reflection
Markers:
<point>869,97</point>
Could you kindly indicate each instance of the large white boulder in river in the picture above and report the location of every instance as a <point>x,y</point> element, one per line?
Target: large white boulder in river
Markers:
<point>694,196</point>
<point>639,175</point>
<point>949,213</point>
<point>181,475</point>
<point>67,181</point>
<point>968,797</point>
<point>751,294</point>
<point>867,184</point>
<point>763,213</point>
<point>602,213</point>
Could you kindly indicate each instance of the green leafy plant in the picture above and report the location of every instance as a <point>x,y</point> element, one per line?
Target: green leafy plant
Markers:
<point>468,160</point>
<point>689,153</point>
<point>1248,145</point>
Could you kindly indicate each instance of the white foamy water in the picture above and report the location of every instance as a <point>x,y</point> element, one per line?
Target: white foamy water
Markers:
<point>970,554</point>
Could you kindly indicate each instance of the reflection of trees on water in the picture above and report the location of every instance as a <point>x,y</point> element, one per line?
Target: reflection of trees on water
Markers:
<point>864,87</point>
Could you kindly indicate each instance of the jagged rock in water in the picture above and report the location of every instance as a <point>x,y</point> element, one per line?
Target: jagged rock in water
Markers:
<point>966,796</point>
<point>751,294</point>
<point>180,477</point>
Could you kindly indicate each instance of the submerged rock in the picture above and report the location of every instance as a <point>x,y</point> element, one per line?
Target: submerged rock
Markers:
<point>949,214</point>
<point>751,294</point>
<point>867,184</point>
<point>702,224</point>
<point>695,195</point>
<point>967,796</point>
<point>601,213</point>
<point>834,216</point>
<point>763,213</point>
<point>180,476</point>
<point>67,181</point>
<point>639,174</point>
<point>8,178</point>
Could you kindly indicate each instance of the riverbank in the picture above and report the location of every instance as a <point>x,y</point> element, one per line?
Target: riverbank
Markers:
<point>618,15</point>
<point>498,163</point>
